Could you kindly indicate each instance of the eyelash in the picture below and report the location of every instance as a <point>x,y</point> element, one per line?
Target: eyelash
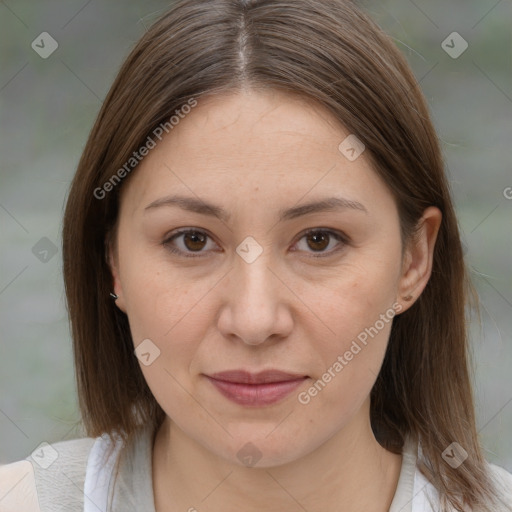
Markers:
<point>340,237</point>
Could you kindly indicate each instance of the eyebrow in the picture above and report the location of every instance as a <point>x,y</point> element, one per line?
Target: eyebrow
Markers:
<point>203,207</point>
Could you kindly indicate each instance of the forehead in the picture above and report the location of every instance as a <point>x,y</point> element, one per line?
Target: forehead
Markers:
<point>250,124</point>
<point>265,144</point>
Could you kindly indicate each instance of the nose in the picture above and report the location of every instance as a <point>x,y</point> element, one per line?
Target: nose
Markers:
<point>257,304</point>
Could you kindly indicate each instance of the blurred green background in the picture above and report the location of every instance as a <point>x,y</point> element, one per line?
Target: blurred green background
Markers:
<point>47,107</point>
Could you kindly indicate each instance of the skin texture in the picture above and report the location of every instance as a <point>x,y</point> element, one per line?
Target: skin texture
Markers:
<point>253,154</point>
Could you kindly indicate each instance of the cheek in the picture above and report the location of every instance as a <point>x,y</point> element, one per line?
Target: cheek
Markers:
<point>170,317</point>
<point>156,295</point>
<point>346,375</point>
<point>169,310</point>
<point>356,312</point>
<point>353,297</point>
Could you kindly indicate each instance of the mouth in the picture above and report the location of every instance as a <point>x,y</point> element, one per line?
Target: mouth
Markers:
<point>260,389</point>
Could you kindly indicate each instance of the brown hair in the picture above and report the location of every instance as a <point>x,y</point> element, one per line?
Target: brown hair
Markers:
<point>329,51</point>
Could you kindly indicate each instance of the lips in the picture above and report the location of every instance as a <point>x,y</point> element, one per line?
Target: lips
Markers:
<point>264,388</point>
<point>264,377</point>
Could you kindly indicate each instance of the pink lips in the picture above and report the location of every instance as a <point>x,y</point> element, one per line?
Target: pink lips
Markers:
<point>264,388</point>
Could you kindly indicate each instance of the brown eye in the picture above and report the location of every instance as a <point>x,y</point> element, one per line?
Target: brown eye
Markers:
<point>188,243</point>
<point>194,240</point>
<point>318,240</point>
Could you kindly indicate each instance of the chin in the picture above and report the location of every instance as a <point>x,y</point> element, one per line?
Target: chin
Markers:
<point>256,448</point>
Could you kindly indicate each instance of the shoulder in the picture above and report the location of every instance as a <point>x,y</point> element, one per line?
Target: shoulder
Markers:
<point>426,497</point>
<point>503,481</point>
<point>50,478</point>
<point>18,488</point>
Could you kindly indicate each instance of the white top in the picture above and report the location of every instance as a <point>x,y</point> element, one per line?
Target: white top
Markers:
<point>78,476</point>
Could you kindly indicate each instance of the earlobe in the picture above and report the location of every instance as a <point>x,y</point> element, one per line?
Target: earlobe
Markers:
<point>117,292</point>
<point>418,257</point>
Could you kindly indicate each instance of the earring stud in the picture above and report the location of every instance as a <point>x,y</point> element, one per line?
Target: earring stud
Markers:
<point>409,297</point>
<point>114,296</point>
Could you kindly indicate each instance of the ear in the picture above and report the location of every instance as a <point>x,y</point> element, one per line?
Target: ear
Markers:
<point>113,263</point>
<point>418,258</point>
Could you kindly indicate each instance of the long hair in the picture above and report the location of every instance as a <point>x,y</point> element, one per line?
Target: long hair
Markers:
<point>331,52</point>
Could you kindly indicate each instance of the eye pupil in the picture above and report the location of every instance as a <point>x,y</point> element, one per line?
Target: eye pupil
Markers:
<point>321,237</point>
<point>194,236</point>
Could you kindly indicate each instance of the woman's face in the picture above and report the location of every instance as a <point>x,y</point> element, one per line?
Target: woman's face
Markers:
<point>251,289</point>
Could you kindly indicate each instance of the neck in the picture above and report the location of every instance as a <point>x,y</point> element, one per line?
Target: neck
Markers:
<point>350,470</point>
